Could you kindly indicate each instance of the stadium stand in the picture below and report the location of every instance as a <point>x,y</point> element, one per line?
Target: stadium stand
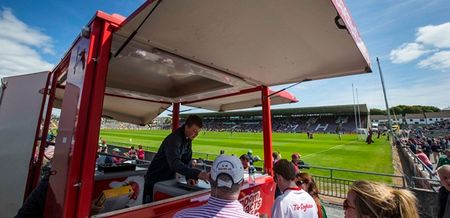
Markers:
<point>325,119</point>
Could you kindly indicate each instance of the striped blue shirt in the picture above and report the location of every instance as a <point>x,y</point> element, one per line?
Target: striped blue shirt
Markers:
<point>215,208</point>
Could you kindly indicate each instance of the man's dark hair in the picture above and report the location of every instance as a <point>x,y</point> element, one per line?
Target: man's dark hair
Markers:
<point>285,169</point>
<point>244,157</point>
<point>194,120</point>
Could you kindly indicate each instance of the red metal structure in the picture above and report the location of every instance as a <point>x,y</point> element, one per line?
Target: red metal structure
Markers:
<point>133,69</point>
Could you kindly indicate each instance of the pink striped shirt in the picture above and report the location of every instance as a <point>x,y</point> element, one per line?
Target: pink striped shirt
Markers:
<point>423,157</point>
<point>215,208</point>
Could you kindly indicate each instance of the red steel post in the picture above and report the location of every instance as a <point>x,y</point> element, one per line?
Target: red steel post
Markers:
<point>175,116</point>
<point>94,116</point>
<point>267,129</point>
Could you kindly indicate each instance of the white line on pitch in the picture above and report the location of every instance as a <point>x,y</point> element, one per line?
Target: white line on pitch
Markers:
<point>326,150</point>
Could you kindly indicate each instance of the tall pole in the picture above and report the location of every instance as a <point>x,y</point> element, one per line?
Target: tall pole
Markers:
<point>357,105</point>
<point>267,130</point>
<point>354,108</point>
<point>385,97</point>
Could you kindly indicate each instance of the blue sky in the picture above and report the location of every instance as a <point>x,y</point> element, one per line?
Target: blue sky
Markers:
<point>411,38</point>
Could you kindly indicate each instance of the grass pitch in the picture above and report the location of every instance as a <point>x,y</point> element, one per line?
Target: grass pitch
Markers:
<point>325,150</point>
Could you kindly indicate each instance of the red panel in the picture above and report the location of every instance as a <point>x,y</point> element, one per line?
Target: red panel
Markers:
<point>256,199</point>
<point>161,196</point>
<point>114,19</point>
<point>267,130</point>
<point>288,95</point>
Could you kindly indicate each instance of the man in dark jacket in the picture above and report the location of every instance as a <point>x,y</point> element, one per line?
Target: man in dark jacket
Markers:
<point>444,191</point>
<point>174,156</point>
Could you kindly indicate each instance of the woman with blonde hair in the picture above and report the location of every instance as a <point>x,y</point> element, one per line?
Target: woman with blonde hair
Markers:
<point>372,199</point>
<point>307,183</point>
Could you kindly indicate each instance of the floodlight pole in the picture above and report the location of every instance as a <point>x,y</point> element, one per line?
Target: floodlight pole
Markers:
<point>359,111</point>
<point>385,98</point>
<point>354,109</point>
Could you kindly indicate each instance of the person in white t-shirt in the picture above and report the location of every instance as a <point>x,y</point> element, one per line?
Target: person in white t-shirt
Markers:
<point>294,202</point>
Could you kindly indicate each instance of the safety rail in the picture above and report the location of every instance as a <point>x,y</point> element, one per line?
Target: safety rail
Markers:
<point>332,185</point>
<point>418,174</point>
<point>138,162</point>
<point>420,164</point>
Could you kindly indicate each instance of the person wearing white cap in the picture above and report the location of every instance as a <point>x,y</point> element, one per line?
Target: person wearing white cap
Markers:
<point>227,175</point>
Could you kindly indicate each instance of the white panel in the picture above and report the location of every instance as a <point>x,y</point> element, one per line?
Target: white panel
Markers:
<point>19,114</point>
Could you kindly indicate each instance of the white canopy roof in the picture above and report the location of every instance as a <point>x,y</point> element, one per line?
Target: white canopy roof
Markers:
<point>192,50</point>
<point>241,43</point>
<point>249,100</point>
<point>141,111</point>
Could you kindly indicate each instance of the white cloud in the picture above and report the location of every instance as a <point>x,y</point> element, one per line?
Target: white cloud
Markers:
<point>431,89</point>
<point>437,36</point>
<point>407,52</point>
<point>429,39</point>
<point>438,61</point>
<point>20,46</point>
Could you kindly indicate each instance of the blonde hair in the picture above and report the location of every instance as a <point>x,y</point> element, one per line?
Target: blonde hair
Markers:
<point>379,200</point>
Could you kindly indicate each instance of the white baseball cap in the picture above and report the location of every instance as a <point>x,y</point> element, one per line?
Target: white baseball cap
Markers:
<point>229,165</point>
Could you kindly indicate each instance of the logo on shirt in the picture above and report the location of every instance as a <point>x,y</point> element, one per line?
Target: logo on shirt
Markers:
<point>302,207</point>
<point>252,203</point>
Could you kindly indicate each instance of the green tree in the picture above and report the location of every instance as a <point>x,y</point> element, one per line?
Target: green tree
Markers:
<point>414,109</point>
<point>376,111</point>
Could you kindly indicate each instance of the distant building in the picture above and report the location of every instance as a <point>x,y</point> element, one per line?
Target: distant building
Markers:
<point>327,119</point>
<point>434,117</point>
<point>383,119</point>
<point>415,119</point>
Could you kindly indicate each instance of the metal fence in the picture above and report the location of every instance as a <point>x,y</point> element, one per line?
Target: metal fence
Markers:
<point>335,182</point>
<point>418,174</point>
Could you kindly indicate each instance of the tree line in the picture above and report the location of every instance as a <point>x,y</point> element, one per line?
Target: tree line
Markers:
<point>405,109</point>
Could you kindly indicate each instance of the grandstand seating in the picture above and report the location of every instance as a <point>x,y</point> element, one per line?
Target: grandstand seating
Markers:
<point>327,119</point>
<point>325,124</point>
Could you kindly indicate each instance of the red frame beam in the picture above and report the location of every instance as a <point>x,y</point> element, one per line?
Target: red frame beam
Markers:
<point>79,182</point>
<point>175,116</point>
<point>267,129</point>
<point>46,126</point>
<point>92,131</point>
<point>75,180</point>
